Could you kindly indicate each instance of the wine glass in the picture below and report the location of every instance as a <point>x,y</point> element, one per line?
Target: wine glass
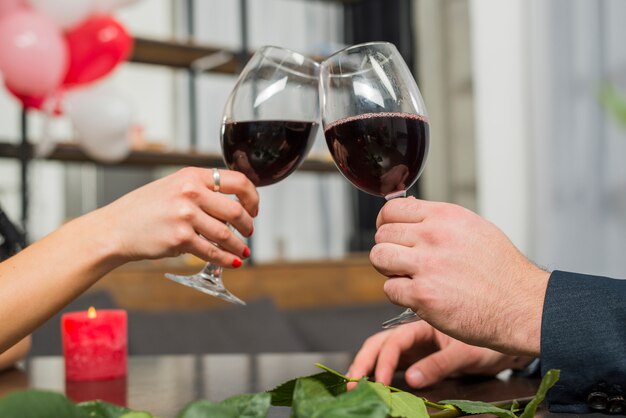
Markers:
<point>375,123</point>
<point>269,125</point>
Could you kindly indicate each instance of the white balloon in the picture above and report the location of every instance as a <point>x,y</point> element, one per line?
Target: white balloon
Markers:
<point>102,118</point>
<point>107,6</point>
<point>107,150</point>
<point>65,13</point>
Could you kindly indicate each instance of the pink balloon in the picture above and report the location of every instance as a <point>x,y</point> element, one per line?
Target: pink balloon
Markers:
<point>33,53</point>
<point>10,6</point>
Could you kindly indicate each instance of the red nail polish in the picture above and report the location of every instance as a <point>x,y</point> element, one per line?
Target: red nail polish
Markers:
<point>236,263</point>
<point>246,252</point>
<point>251,232</point>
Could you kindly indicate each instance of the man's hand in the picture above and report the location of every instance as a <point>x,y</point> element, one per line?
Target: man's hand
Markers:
<point>461,274</point>
<point>427,355</point>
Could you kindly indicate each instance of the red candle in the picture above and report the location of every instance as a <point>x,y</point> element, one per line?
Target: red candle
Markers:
<point>94,344</point>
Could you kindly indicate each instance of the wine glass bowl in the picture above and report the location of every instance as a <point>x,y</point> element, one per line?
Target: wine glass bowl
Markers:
<point>375,123</point>
<point>269,125</point>
<point>271,117</point>
<point>374,118</point>
<point>380,153</point>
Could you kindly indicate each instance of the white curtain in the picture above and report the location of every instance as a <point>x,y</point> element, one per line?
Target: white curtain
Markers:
<point>578,172</point>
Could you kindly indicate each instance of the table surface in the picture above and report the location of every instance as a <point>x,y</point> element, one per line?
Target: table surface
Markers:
<point>163,385</point>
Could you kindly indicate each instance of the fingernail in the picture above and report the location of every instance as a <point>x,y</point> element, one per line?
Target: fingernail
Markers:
<point>236,263</point>
<point>256,211</point>
<point>414,377</point>
<point>251,232</point>
<point>246,252</point>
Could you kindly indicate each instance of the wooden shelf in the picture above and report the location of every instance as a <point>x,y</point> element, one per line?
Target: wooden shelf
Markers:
<point>67,152</point>
<point>181,54</point>
<point>189,55</point>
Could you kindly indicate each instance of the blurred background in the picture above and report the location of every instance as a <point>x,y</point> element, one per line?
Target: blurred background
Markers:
<point>526,117</point>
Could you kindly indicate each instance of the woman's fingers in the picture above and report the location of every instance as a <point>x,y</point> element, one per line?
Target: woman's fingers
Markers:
<point>219,233</point>
<point>208,251</point>
<point>234,182</point>
<point>227,210</point>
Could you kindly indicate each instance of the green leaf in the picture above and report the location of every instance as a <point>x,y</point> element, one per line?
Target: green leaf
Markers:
<point>137,415</point>
<point>477,407</point>
<point>401,404</point>
<point>407,405</point>
<point>547,382</point>
<point>38,404</point>
<point>205,409</point>
<point>382,391</point>
<point>283,395</point>
<point>309,393</point>
<point>240,406</point>
<point>99,409</point>
<point>613,103</point>
<point>249,405</point>
<point>361,402</point>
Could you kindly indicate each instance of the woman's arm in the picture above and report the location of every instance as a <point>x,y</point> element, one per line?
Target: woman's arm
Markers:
<point>161,219</point>
<point>14,354</point>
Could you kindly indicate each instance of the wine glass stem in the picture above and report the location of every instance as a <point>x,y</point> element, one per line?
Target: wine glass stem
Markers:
<point>212,271</point>
<point>408,315</point>
<point>395,195</point>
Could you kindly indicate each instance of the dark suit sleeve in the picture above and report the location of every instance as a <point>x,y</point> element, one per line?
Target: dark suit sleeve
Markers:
<point>583,333</point>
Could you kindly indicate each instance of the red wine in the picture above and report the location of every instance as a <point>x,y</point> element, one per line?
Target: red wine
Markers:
<point>266,151</point>
<point>380,153</point>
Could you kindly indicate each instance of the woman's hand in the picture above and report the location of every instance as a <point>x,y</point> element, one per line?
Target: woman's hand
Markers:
<point>180,214</point>
<point>427,355</point>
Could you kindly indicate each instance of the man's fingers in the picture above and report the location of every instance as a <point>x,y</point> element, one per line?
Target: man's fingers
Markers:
<point>401,234</point>
<point>363,363</point>
<point>401,340</point>
<point>403,210</point>
<point>435,367</point>
<point>400,290</point>
<point>394,260</point>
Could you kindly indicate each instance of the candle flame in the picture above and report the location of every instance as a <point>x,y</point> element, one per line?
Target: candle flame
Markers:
<point>91,313</point>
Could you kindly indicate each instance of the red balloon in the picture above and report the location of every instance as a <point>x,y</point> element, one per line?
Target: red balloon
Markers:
<point>96,47</point>
<point>29,102</point>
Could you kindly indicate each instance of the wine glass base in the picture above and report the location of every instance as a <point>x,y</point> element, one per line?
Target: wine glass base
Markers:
<point>205,285</point>
<point>405,317</point>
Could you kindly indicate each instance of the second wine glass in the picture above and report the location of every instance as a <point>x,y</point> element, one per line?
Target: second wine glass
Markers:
<point>375,123</point>
<point>269,125</point>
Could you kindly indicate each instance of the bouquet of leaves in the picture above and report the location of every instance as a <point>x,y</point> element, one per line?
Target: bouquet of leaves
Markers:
<point>321,395</point>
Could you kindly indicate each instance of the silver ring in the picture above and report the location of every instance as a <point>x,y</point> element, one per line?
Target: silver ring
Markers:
<point>216,180</point>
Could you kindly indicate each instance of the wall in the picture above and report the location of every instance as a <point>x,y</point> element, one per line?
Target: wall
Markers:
<point>151,90</point>
<point>445,79</point>
<point>499,32</point>
<point>550,159</point>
